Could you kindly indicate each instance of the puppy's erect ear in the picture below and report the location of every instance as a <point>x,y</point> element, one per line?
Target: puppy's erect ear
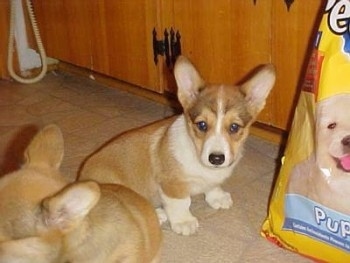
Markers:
<point>258,88</point>
<point>46,148</point>
<point>188,81</point>
<point>69,207</point>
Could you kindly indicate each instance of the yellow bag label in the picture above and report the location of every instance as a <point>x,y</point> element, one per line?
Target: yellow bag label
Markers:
<point>309,211</point>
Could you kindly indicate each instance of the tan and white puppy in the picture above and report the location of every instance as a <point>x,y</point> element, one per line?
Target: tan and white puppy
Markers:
<point>169,161</point>
<point>325,176</point>
<point>44,218</point>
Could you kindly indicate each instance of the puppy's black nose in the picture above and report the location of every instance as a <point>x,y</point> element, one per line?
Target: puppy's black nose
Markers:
<point>346,141</point>
<point>216,158</point>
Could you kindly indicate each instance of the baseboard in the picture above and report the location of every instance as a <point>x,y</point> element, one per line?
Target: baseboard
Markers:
<point>268,133</point>
<point>166,99</point>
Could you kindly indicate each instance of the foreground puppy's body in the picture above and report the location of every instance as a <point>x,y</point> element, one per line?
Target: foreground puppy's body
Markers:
<point>44,218</point>
<point>171,160</point>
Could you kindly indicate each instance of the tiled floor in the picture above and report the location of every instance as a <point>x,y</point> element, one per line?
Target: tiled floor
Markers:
<point>89,114</point>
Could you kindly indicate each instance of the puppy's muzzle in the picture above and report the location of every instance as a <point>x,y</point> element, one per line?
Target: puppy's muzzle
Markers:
<point>216,158</point>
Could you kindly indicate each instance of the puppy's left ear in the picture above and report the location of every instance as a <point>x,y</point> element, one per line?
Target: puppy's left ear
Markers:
<point>70,206</point>
<point>258,88</point>
<point>46,148</point>
<point>188,80</point>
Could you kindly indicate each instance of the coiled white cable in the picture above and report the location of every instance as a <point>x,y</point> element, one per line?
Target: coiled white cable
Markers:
<point>38,42</point>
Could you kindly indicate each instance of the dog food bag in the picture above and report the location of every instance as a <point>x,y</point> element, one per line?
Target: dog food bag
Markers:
<point>309,210</point>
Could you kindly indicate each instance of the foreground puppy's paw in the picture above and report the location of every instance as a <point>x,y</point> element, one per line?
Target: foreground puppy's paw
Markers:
<point>162,217</point>
<point>185,227</point>
<point>219,199</point>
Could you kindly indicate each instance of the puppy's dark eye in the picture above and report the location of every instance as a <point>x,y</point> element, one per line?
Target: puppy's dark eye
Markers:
<point>332,126</point>
<point>202,126</point>
<point>234,128</point>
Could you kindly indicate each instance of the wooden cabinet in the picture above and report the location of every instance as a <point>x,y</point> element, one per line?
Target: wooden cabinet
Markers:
<point>109,37</point>
<point>65,29</point>
<point>225,39</point>
<point>122,41</point>
<point>292,35</point>
<point>4,31</point>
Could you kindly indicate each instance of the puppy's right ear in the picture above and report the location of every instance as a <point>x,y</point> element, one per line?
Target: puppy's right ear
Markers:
<point>258,88</point>
<point>188,80</point>
<point>70,206</point>
<point>46,148</point>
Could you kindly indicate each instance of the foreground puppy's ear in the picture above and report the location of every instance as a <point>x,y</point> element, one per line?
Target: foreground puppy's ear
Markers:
<point>258,88</point>
<point>70,206</point>
<point>46,148</point>
<point>188,81</point>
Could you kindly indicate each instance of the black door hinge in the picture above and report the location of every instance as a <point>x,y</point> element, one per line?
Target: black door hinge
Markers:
<point>171,49</point>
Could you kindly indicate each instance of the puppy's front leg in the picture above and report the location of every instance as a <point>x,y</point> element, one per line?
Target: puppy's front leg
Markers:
<point>179,215</point>
<point>218,198</point>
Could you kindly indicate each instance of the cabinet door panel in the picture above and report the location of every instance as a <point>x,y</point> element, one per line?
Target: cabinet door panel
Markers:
<point>65,29</point>
<point>293,35</point>
<point>225,39</point>
<point>110,37</point>
<point>122,41</point>
<point>4,31</point>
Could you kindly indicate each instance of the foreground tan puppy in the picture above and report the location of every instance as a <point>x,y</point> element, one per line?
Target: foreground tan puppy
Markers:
<point>46,219</point>
<point>171,160</point>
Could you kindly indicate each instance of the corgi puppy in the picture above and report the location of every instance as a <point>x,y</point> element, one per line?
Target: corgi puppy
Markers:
<point>171,160</point>
<point>44,218</point>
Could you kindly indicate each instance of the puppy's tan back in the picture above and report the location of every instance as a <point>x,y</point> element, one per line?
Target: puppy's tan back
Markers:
<point>122,226</point>
<point>120,163</point>
<point>141,226</point>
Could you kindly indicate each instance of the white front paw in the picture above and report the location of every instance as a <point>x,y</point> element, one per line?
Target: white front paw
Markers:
<point>217,199</point>
<point>179,215</point>
<point>186,227</point>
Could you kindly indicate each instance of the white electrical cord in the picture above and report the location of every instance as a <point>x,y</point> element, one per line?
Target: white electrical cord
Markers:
<point>38,42</point>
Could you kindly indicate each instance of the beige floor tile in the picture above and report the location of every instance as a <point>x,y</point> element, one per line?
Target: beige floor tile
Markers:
<point>15,115</point>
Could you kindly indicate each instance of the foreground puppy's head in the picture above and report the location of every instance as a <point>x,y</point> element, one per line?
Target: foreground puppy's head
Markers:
<point>22,191</point>
<point>219,116</point>
<point>35,212</point>
<point>53,217</point>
